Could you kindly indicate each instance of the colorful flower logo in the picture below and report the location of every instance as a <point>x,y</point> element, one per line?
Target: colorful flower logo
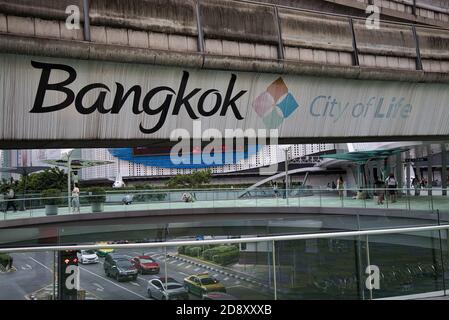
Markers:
<point>275,104</point>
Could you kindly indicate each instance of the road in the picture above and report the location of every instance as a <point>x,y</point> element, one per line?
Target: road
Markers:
<point>35,271</point>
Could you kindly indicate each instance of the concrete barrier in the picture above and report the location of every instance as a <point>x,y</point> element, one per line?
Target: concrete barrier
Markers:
<point>231,29</point>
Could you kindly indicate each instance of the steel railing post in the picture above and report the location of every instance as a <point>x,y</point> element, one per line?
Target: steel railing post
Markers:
<point>274,270</point>
<point>279,34</point>
<point>356,61</point>
<point>368,265</point>
<point>86,28</point>
<point>418,51</point>
<point>199,26</point>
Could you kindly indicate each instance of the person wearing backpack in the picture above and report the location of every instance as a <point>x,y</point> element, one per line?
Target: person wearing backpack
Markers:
<point>391,185</point>
<point>10,196</point>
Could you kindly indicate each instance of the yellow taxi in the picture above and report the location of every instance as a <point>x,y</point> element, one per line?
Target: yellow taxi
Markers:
<point>203,283</point>
<point>105,251</point>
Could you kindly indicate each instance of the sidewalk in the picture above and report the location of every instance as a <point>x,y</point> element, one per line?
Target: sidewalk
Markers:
<point>46,293</point>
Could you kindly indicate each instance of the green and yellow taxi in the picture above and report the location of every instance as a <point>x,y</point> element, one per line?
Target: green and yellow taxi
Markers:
<point>103,252</point>
<point>203,283</point>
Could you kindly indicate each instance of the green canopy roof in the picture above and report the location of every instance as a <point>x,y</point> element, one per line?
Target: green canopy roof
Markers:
<point>363,156</point>
<point>78,164</point>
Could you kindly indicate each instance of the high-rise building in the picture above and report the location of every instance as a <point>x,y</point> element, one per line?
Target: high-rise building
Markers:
<point>269,154</point>
<point>26,157</point>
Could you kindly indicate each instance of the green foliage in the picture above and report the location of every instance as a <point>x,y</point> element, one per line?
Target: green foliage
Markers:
<point>53,178</point>
<point>226,258</point>
<point>54,194</point>
<point>220,254</point>
<point>190,181</point>
<point>181,249</point>
<point>98,195</point>
<point>5,259</point>
<point>193,251</point>
<point>219,250</point>
<point>6,184</point>
<point>150,195</point>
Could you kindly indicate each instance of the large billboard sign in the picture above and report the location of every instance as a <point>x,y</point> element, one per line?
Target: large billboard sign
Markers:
<point>61,99</point>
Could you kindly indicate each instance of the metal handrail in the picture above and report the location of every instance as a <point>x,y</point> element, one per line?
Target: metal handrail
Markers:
<point>323,235</point>
<point>340,15</point>
<point>152,191</point>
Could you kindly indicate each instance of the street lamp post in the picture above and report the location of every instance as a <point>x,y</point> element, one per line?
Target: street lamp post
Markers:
<point>69,169</point>
<point>287,184</point>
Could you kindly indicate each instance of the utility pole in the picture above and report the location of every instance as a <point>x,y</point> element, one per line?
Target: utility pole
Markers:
<point>69,172</point>
<point>287,185</point>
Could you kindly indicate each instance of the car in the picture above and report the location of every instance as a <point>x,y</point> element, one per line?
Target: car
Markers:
<point>119,267</point>
<point>218,296</point>
<point>145,264</point>
<point>87,256</point>
<point>105,251</point>
<point>166,289</point>
<point>201,284</point>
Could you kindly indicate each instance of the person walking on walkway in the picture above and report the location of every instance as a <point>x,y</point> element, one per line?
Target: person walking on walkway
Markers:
<point>391,185</point>
<point>76,199</point>
<point>340,186</point>
<point>416,185</point>
<point>275,190</point>
<point>10,196</point>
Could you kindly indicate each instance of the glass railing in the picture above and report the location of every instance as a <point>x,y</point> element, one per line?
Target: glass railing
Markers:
<point>401,200</point>
<point>400,263</point>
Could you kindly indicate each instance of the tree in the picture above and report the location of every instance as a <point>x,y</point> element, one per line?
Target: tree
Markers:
<point>5,184</point>
<point>52,178</point>
<point>190,181</point>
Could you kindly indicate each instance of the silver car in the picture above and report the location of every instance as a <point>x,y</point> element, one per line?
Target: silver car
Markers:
<point>173,290</point>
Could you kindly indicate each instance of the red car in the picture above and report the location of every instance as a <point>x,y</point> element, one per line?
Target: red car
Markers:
<point>145,264</point>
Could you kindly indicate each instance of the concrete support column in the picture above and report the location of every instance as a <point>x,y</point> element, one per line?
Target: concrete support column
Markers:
<point>372,179</point>
<point>380,170</point>
<point>429,169</point>
<point>387,167</point>
<point>407,172</point>
<point>444,169</point>
<point>418,172</point>
<point>399,171</point>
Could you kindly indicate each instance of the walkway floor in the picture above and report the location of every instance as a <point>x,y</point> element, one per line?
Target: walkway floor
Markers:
<point>405,203</point>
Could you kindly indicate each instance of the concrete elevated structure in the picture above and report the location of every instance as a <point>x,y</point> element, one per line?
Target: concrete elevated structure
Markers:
<point>345,79</point>
<point>228,29</point>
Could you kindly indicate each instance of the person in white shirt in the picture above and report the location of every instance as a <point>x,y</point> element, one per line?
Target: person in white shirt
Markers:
<point>391,185</point>
<point>10,196</point>
<point>76,199</point>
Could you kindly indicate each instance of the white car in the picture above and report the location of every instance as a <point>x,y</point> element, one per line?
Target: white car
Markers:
<point>87,256</point>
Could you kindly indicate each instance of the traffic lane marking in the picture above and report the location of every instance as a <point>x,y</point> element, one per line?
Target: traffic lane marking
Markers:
<point>41,264</point>
<point>112,282</point>
<point>99,288</point>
